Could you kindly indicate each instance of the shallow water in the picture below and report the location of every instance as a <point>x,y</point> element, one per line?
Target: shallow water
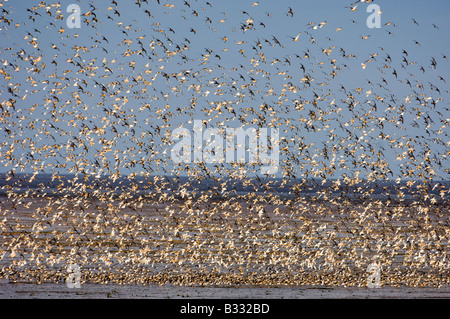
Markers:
<point>61,291</point>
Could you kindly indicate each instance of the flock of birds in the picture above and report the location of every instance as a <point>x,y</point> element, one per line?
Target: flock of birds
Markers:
<point>101,101</point>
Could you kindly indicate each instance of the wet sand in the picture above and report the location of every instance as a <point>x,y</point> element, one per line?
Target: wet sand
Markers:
<point>97,291</point>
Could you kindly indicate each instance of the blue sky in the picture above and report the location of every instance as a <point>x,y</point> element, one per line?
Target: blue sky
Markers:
<point>200,55</point>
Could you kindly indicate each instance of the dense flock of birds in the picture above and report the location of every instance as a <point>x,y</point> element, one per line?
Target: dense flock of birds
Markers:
<point>101,102</point>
